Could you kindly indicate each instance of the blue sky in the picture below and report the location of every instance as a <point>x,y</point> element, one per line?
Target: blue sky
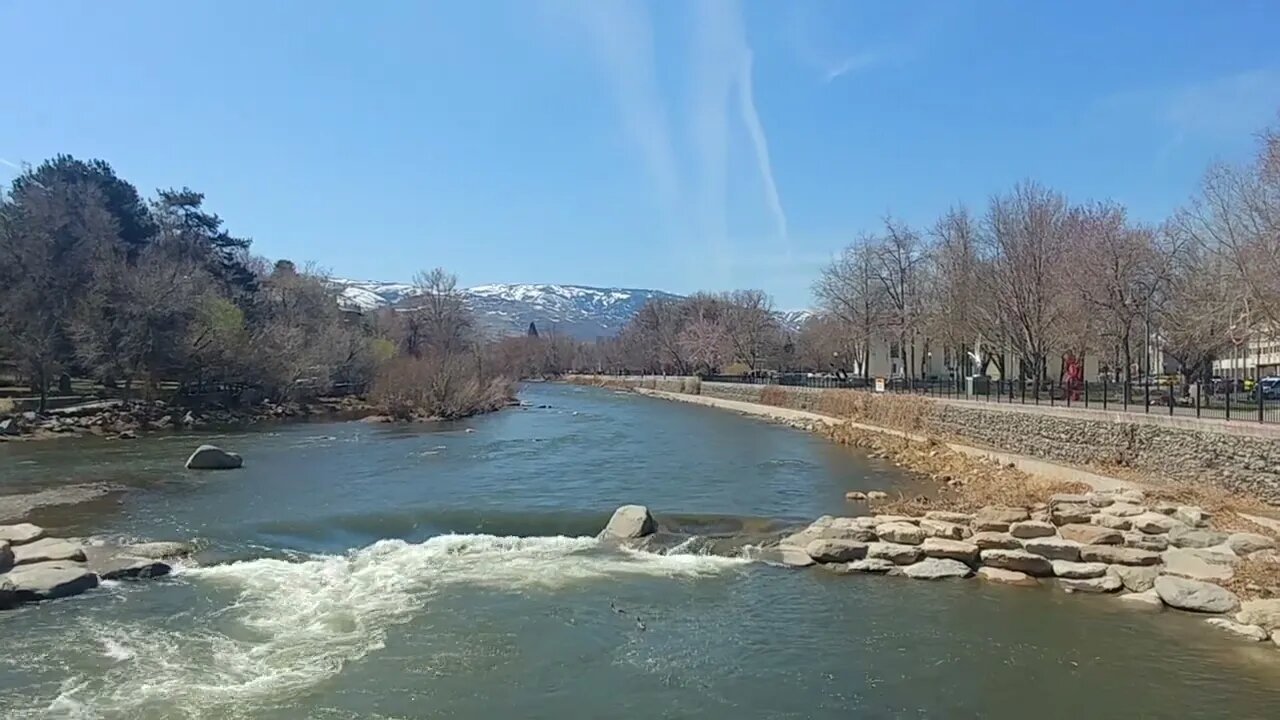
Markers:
<point>676,145</point>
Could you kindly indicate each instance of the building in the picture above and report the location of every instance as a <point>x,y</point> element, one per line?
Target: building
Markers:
<point>1255,359</point>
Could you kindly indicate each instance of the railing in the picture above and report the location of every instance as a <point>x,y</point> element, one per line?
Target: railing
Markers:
<point>1224,400</point>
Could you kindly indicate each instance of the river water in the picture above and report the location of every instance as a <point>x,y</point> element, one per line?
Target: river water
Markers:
<point>354,570</point>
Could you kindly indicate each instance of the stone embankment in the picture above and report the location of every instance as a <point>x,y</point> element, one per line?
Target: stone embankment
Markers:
<point>35,567</point>
<point>1149,555</point>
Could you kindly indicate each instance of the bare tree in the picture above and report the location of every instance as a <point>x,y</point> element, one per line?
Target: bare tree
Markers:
<point>443,311</point>
<point>1025,237</point>
<point>958,313</point>
<point>849,291</point>
<point>750,326</point>
<point>898,265</point>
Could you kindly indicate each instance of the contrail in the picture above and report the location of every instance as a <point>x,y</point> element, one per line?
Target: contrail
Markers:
<point>13,165</point>
<point>751,118</point>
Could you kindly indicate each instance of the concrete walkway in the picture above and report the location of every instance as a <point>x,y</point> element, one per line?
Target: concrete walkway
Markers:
<point>1027,464</point>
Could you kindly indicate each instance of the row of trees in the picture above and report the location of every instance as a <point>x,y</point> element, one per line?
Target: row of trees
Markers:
<point>1034,276</point>
<point>97,281</point>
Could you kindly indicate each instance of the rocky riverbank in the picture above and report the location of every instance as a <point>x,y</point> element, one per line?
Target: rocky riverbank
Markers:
<point>36,567</point>
<point>126,419</point>
<point>1150,555</point>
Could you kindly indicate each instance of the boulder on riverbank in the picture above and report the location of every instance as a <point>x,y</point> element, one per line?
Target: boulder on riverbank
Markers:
<point>1195,595</point>
<point>211,457</point>
<point>629,522</point>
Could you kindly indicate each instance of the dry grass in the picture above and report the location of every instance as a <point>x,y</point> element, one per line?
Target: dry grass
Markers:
<point>775,396</point>
<point>965,483</point>
<point>1223,506</point>
<point>892,411</point>
<point>1256,577</point>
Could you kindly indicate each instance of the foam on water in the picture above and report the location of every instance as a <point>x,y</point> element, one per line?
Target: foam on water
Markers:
<point>294,624</point>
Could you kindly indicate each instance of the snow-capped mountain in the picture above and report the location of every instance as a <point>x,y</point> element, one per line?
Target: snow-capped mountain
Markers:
<point>581,312</point>
<point>574,310</point>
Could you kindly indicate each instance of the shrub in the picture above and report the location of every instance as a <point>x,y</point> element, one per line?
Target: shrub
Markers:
<point>411,388</point>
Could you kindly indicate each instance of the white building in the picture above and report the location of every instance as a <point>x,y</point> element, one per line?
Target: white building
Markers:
<point>1255,359</point>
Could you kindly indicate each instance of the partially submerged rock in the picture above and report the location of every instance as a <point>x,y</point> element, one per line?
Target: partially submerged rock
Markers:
<point>1135,578</point>
<point>47,550</point>
<point>21,533</point>
<point>112,563</point>
<point>158,550</point>
<point>1103,584</point>
<point>1248,632</point>
<point>1007,577</point>
<point>836,551</point>
<point>211,457</point>
<point>50,580</point>
<point>629,522</point>
<point>1078,570</point>
<point>871,565</point>
<point>1147,600</point>
<point>1261,612</point>
<point>1194,595</point>
<point>1020,560</point>
<point>936,569</point>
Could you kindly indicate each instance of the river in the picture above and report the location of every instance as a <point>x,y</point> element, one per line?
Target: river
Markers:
<point>355,570</point>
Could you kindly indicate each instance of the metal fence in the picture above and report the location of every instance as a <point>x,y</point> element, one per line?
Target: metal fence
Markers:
<point>1224,400</point>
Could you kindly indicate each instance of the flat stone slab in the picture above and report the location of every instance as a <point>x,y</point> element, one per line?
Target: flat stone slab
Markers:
<point>960,550</point>
<point>1078,570</point>
<point>1072,514</point>
<point>1186,537</point>
<point>1113,522</point>
<point>788,555</point>
<point>1185,563</point>
<point>1092,534</point>
<point>21,533</point>
<point>901,533</point>
<point>948,516</point>
<point>1118,555</point>
<point>50,580</point>
<point>1148,600</point>
<point>1136,579</point>
<point>944,529</point>
<point>895,553</point>
<point>989,540</point>
<point>1260,612</point>
<point>1246,543</point>
<point>1019,560</point>
<point>1194,595</point>
<point>1247,632</point>
<point>1121,509</point>
<point>1054,548</point>
<point>998,518</point>
<point>1007,577</point>
<point>1032,529</point>
<point>111,563</point>
<point>871,565</point>
<point>46,550</point>
<point>1154,523</point>
<point>158,550</point>
<point>836,551</point>
<point>936,569</point>
<point>1104,584</point>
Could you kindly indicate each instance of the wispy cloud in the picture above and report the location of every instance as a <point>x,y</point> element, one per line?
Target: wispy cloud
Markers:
<point>622,36</point>
<point>721,86</point>
<point>851,64</point>
<point>13,165</point>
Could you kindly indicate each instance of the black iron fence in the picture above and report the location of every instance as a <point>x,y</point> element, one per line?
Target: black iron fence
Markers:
<point>1225,400</point>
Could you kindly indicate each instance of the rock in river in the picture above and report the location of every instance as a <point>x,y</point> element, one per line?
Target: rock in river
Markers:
<point>6,556</point>
<point>210,457</point>
<point>937,569</point>
<point>50,580</point>
<point>1104,584</point>
<point>1136,579</point>
<point>111,563</point>
<point>1019,560</point>
<point>1007,577</point>
<point>960,550</point>
<point>21,533</point>
<point>894,552</point>
<point>871,565</point>
<point>1194,595</point>
<point>158,550</point>
<point>900,532</point>
<point>46,550</point>
<point>1248,632</point>
<point>836,551</point>
<point>1261,612</point>
<point>1078,570</point>
<point>1147,600</point>
<point>629,521</point>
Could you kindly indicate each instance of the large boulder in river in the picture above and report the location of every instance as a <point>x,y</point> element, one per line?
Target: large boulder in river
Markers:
<point>50,580</point>
<point>48,550</point>
<point>21,533</point>
<point>1194,595</point>
<point>628,522</point>
<point>114,563</point>
<point>211,457</point>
